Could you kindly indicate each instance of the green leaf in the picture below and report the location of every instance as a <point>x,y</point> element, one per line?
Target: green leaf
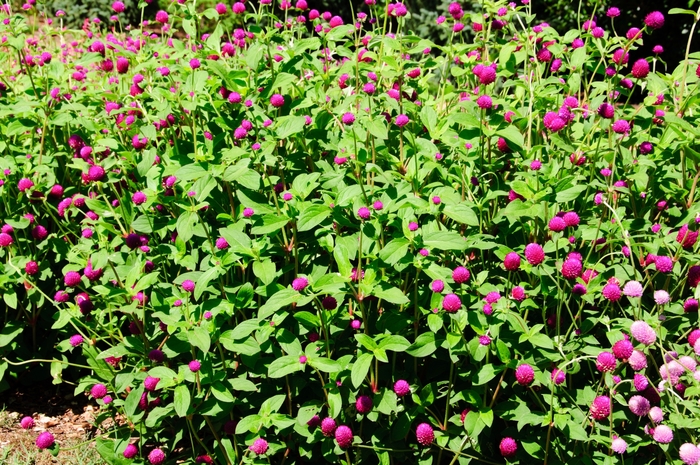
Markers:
<point>326,365</point>
<point>199,337</point>
<point>390,294</point>
<point>513,137</point>
<point>132,401</point>
<point>445,240</point>
<point>424,346</point>
<point>360,369</point>
<point>681,11</point>
<point>312,216</point>
<point>461,213</point>
<point>394,343</point>
<point>238,241</point>
<point>265,271</point>
<point>284,366</point>
<point>182,400</point>
<point>377,128</point>
<point>278,300</point>
<point>290,125</point>
<point>394,250</point>
<point>486,374</point>
<point>541,340</point>
<point>251,423</point>
<point>571,193</point>
<point>366,341</point>
<point>11,329</point>
<point>221,392</point>
<point>185,225</point>
<point>269,223</point>
<point>204,281</point>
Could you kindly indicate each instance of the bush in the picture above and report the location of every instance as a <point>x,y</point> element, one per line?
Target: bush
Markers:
<point>301,240</point>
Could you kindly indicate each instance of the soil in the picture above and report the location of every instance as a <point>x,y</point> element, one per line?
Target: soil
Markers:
<point>54,408</point>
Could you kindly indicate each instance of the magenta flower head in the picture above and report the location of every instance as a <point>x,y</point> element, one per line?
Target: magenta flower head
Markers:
<point>348,118</point>
<point>654,20</point>
<point>534,254</point>
<point>460,275</point>
<point>6,240</point>
<point>633,289</point>
<point>571,268</point>
<point>162,16</point>
<point>188,285</point>
<point>259,446</point>
<point>663,434</point>
<point>71,279</point>
<point>451,303</point>
<point>343,436</point>
<point>623,349</point>
<point>138,198</point>
<point>613,12</point>
<point>606,362</point>
<point>557,224</point>
<point>639,405</point>
<point>402,388</point>
<point>131,451</point>
<point>96,173</point>
<point>425,434</point>
<point>221,243</point>
<point>118,7</point>
<point>364,213</point>
<point>402,120</point>
<point>328,427</point>
<point>150,383</point>
<point>277,100</point>
<point>156,457</point>
<point>642,332</point>
<point>98,391</point>
<point>611,291</point>
<point>640,68</point>
<point>300,283</point>
<point>75,340</point>
<point>25,184</point>
<point>194,366</point>
<point>621,126</point>
<point>437,286</point>
<point>45,440</point>
<point>558,376</point>
<point>638,361</point>
<point>27,423</point>
<point>512,261</point>
<point>600,408</point>
<point>663,264</point>
<point>508,448</point>
<point>524,374</point>
<point>618,445</point>
<point>484,102</point>
<point>363,404</point>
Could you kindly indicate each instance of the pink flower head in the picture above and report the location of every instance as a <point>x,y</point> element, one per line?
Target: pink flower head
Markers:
<point>27,423</point>
<point>557,224</point>
<point>45,440</point>
<point>508,447</point>
<point>98,391</point>
<point>633,289</point>
<point>437,286</point>
<point>138,198</point>
<point>277,100</point>
<point>402,120</point>
<point>363,213</point>
<point>300,283</point>
<point>558,376</point>
<point>663,434</point>
<point>363,404</point>
<point>640,68</point>
<point>619,445</point>
<point>623,349</point>
<point>534,254</point>
<point>621,126</point>
<point>600,408</point>
<point>425,434</point>
<point>451,303</point>
<point>689,454</point>
<point>402,388</point>
<point>460,275</point>
<point>156,457</point>
<point>639,405</point>
<point>663,264</point>
<point>188,285</point>
<point>259,446</point>
<point>511,262</point>
<point>348,118</point>
<point>343,436</point>
<point>654,20</point>
<point>611,291</point>
<point>606,362</point>
<point>638,361</point>
<point>524,374</point>
<point>328,427</point>
<point>484,102</point>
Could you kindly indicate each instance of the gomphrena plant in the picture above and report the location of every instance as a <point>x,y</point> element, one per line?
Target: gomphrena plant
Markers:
<point>301,240</point>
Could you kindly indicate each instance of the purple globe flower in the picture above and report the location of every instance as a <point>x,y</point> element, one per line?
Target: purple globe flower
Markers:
<point>363,404</point>
<point>194,366</point>
<point>150,383</point>
<point>508,447</point>
<point>277,100</point>
<point>156,457</point>
<point>343,436</point>
<point>138,198</point>
<point>425,434</point>
<point>131,451</point>
<point>27,423</point>
<point>402,120</point>
<point>348,118</point>
<point>654,20</point>
<point>259,446</point>
<point>524,374</point>
<point>76,340</point>
<point>188,285</point>
<point>98,391</point>
<point>364,213</point>
<point>45,440</point>
<point>451,303</point>
<point>402,388</point>
<point>300,283</point>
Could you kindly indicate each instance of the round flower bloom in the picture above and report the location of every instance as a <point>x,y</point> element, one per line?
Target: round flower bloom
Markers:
<point>118,7</point>
<point>25,184</point>
<point>571,219</point>
<point>194,366</point>
<point>640,68</point>
<point>611,292</point>
<point>300,283</point>
<point>619,445</point>
<point>524,374</point>
<point>328,427</point>
<point>511,262</point>
<point>364,213</point>
<point>27,423</point>
<point>45,440</point>
<point>363,404</point>
<point>606,361</point>
<point>484,102</point>
<point>613,12</point>
<point>663,434</point>
<point>343,436</point>
<point>508,447</point>
<point>156,457</point>
<point>690,305</point>
<point>138,198</point>
<point>188,285</point>
<point>348,118</point>
<point>661,297</point>
<point>402,120</point>
<point>518,293</point>
<point>259,446</point>
<point>639,405</point>
<point>150,383</point>
<point>571,268</point>
<point>621,126</point>
<point>75,340</point>
<point>162,16</point>
<point>71,279</point>
<point>654,20</point>
<point>557,224</point>
<point>437,286</point>
<point>623,349</point>
<point>600,408</point>
<point>221,243</point>
<point>460,275</point>
<point>664,264</point>
<point>425,434</point>
<point>95,173</point>
<point>633,289</point>
<point>558,376</point>
<point>638,361</point>
<point>689,454</point>
<point>277,100</point>
<point>402,388</point>
<point>534,254</point>
<point>656,415</point>
<point>640,382</point>
<point>451,303</point>
<point>642,332</point>
<point>98,391</point>
<point>5,240</point>
<point>31,268</point>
